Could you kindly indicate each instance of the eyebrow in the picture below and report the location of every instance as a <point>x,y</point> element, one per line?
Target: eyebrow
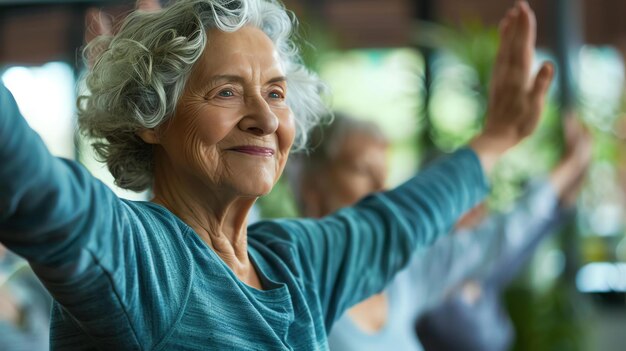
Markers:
<point>241,80</point>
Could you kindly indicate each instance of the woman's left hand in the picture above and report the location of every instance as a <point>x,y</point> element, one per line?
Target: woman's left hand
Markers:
<point>516,98</point>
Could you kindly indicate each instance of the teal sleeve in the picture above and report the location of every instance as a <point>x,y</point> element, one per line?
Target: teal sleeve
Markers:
<point>50,208</point>
<point>84,243</point>
<point>469,253</point>
<point>354,253</point>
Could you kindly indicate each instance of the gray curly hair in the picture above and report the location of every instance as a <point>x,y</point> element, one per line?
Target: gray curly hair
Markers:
<point>138,78</point>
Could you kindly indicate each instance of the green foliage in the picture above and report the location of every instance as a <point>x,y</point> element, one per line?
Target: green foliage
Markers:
<point>546,321</point>
<point>279,203</point>
<point>475,45</point>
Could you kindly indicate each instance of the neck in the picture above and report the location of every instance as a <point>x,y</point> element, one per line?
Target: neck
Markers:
<point>218,217</point>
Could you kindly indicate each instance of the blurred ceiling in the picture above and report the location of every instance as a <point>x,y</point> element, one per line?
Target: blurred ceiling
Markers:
<point>37,31</point>
<point>43,2</point>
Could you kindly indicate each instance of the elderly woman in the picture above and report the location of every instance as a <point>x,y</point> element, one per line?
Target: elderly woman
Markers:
<point>201,103</point>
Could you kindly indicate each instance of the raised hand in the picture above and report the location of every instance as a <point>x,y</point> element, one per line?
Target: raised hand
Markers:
<point>516,98</point>
<point>99,23</point>
<point>567,177</point>
<point>148,5</point>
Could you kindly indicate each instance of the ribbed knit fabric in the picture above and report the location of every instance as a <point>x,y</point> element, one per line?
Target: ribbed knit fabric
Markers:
<point>132,276</point>
<point>435,274</point>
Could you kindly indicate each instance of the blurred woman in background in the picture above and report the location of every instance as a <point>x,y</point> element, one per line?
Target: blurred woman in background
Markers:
<point>473,312</point>
<point>349,162</point>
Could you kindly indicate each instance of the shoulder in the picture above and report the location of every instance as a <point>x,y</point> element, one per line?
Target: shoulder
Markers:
<point>154,224</point>
<point>281,230</point>
<point>145,233</point>
<point>302,230</point>
<point>291,241</point>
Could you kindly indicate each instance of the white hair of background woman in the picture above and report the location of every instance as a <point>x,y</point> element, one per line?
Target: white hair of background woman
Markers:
<point>137,79</point>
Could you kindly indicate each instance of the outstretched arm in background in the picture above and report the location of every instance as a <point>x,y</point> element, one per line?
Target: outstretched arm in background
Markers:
<point>516,233</point>
<point>502,237</point>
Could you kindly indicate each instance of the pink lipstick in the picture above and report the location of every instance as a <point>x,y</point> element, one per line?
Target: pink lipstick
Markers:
<point>254,150</point>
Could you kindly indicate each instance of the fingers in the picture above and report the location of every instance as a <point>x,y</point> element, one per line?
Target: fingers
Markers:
<point>507,29</point>
<point>522,47</point>
<point>584,141</point>
<point>571,128</point>
<point>517,46</point>
<point>97,24</point>
<point>540,85</point>
<point>148,5</point>
<point>578,146</point>
<point>573,137</point>
<point>575,128</point>
<point>516,101</point>
<point>526,36</point>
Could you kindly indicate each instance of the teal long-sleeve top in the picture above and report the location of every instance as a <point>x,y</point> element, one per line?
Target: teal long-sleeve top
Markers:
<point>129,275</point>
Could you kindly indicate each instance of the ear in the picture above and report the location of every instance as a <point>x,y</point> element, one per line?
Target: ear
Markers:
<point>149,136</point>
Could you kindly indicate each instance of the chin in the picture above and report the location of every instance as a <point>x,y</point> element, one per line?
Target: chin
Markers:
<point>255,191</point>
<point>257,180</point>
<point>255,186</point>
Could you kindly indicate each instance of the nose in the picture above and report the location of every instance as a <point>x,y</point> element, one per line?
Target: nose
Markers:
<point>378,184</point>
<point>259,119</point>
<point>378,178</point>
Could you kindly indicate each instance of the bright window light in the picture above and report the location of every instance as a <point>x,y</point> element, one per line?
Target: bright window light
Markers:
<point>602,277</point>
<point>46,98</point>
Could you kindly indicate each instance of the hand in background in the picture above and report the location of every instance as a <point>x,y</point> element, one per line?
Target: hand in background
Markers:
<point>9,310</point>
<point>98,23</point>
<point>148,5</point>
<point>567,177</point>
<point>516,98</point>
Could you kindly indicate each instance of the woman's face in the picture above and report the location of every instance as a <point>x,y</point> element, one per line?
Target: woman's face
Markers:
<point>232,129</point>
<point>359,169</point>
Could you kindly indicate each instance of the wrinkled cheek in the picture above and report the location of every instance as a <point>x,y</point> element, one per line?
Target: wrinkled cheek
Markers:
<point>213,133</point>
<point>201,155</point>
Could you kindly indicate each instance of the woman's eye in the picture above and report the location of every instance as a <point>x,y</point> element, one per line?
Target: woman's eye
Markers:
<point>276,95</point>
<point>226,93</point>
<point>356,169</point>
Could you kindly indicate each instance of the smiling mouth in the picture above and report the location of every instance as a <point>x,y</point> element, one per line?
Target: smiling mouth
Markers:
<point>254,150</point>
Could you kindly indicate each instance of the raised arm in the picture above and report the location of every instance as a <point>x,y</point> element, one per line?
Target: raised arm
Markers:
<point>537,213</point>
<point>355,252</point>
<point>50,207</point>
<point>437,271</point>
<point>508,234</point>
<point>85,244</point>
<point>495,246</point>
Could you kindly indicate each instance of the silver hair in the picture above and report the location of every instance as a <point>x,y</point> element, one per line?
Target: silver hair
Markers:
<point>327,140</point>
<point>139,74</point>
